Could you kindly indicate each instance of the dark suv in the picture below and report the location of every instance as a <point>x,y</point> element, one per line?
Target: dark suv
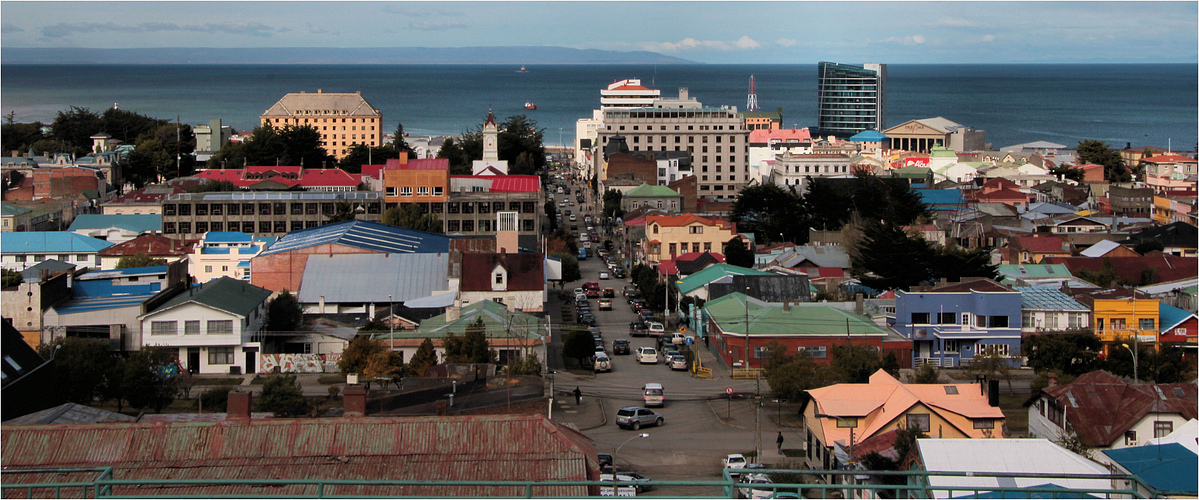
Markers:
<point>638,329</point>
<point>621,346</point>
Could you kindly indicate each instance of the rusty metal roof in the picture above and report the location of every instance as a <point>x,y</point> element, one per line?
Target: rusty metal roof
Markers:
<point>463,448</point>
<point>1101,406</point>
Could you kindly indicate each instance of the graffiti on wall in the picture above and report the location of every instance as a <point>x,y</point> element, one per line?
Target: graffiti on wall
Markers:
<point>299,363</point>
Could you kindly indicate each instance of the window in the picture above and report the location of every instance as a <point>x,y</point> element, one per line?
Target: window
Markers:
<point>673,248</point>
<point>951,389</point>
<point>997,321</point>
<point>696,229</point>
<point>847,422</point>
<point>1130,438</point>
<point>1146,323</point>
<point>468,226</point>
<point>761,352</point>
<point>393,191</point>
<point>406,191</point>
<point>984,423</point>
<point>163,327</point>
<point>191,327</point>
<point>208,269</point>
<point>1075,320</point>
<point>952,346</point>
<point>919,421</point>
<point>453,226</point>
<point>185,209</point>
<point>234,209</point>
<point>1161,429</point>
<point>947,318</point>
<point>920,318</point>
<point>994,349</point>
<point>422,191</point>
<point>220,355</point>
<point>185,227</point>
<point>817,352</point>
<point>220,326</point>
<point>437,191</point>
<point>499,278</point>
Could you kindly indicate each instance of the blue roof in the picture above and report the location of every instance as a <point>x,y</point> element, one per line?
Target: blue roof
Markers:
<point>1044,297</point>
<point>101,302</point>
<point>50,242</point>
<point>1170,316</point>
<point>139,223</point>
<point>366,235</point>
<point>942,196</point>
<point>227,237</point>
<point>1165,467</point>
<point>868,136</point>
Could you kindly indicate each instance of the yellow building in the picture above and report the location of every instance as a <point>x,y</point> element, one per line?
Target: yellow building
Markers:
<point>343,119</point>
<point>1117,320</point>
<point>667,237</point>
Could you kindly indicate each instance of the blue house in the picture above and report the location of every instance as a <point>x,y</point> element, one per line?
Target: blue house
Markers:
<point>951,323</point>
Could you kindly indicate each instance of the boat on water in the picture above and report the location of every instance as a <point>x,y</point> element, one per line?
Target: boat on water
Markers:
<point>522,69</point>
<point>530,106</point>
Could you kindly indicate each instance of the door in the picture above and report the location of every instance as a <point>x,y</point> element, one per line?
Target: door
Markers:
<point>193,360</point>
<point>251,358</point>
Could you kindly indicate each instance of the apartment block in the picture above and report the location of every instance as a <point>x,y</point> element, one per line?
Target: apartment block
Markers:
<point>343,119</point>
<point>190,215</point>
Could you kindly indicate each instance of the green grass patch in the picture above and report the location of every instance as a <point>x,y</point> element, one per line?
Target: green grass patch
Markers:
<point>217,381</point>
<point>1015,413</point>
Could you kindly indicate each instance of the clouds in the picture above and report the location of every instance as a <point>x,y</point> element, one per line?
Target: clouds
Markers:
<point>689,44</point>
<point>64,30</point>
<point>437,26</point>
<point>905,40</point>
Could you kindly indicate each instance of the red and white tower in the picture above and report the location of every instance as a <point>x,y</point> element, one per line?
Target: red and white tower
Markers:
<point>751,104</point>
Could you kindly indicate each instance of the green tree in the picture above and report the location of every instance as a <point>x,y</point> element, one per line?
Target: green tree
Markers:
<point>1166,365</point>
<point>20,136</point>
<point>424,357</point>
<point>343,212</point>
<point>139,259</point>
<point>75,128</point>
<point>854,363</point>
<point>1071,172</point>
<point>11,278</point>
<point>411,216</point>
<point>953,263</point>
<point>82,367</point>
<point>526,365</point>
<point>890,259</point>
<point>149,162</point>
<point>472,347</point>
<point>138,380</point>
<point>772,212</point>
<point>211,186</point>
<point>1098,153</point>
<point>1069,353</point>
<point>562,241</point>
<point>284,314</point>
<point>460,162</point>
<point>612,200</point>
<point>231,155</point>
<point>926,374</point>
<point>1041,381</point>
<point>1104,277</point>
<point>551,214</point>
<point>283,396</point>
<point>128,126</point>
<point>992,365</point>
<point>789,375</point>
<point>519,142</point>
<point>355,358</point>
<point>828,205</point>
<point>361,154</point>
<point>735,253</point>
<point>570,266</point>
<point>399,144</point>
<point>579,345</point>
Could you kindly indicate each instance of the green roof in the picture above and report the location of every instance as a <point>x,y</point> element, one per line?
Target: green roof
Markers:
<point>715,272</point>
<point>12,210</point>
<point>1012,272</point>
<point>941,152</point>
<point>497,319</point>
<point>224,293</point>
<point>648,191</point>
<point>729,312</point>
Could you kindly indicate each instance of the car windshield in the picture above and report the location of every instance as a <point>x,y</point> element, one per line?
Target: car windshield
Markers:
<point>626,412</point>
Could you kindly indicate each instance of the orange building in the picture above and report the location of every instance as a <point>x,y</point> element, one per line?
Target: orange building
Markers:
<point>343,119</point>
<point>416,181</point>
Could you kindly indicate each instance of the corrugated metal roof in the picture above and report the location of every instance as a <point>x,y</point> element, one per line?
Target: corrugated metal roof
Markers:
<point>366,235</point>
<point>340,278</point>
<point>478,448</point>
<point>70,413</point>
<point>50,242</point>
<point>1005,456</point>
<point>101,303</point>
<point>130,222</point>
<point>224,293</point>
<point>1101,407</point>
<point>1044,297</point>
<point>1166,467</point>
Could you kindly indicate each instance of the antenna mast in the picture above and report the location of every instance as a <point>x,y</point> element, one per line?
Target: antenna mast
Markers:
<point>751,104</point>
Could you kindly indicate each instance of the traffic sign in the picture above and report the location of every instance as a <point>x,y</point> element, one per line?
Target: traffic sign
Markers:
<point>728,390</point>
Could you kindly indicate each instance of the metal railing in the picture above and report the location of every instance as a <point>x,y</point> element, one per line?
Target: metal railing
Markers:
<point>813,483</point>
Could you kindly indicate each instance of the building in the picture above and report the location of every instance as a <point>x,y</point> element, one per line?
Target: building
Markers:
<point>842,414</point>
<point>106,304</point>
<point>951,323</point>
<point>669,236</point>
<point>24,249</point>
<point>512,334</point>
<point>1170,172</point>
<point>148,200</point>
<point>766,144</point>
<point>815,328</point>
<point>1131,202</point>
<point>282,266</point>
<point>491,163</point>
<point>210,137</point>
<point>762,120</point>
<point>281,178</point>
<point>1006,463</point>
<point>116,228</point>
<point>1047,309</point>
<point>798,170</point>
<point>516,280</point>
<point>628,93</point>
<point>924,134</point>
<point>214,326</point>
<point>1161,468</point>
<point>343,119</point>
<point>715,138</point>
<point>1118,321</point>
<point>1035,249</point>
<point>190,215</point>
<point>41,287</point>
<point>153,245</point>
<point>225,253</point>
<point>1106,412</point>
<point>646,196</point>
<point>696,284</point>
<point>851,98</point>
<point>14,218</point>
<point>332,283</point>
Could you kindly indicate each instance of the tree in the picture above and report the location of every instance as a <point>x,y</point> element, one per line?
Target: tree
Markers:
<point>1166,366</point>
<point>772,212</point>
<point>612,200</point>
<point>424,357</point>
<point>140,382</point>
<point>854,364</point>
<point>1104,277</point>
<point>128,126</point>
<point>411,216</point>
<point>13,278</point>
<point>139,259</point>
<point>82,367</point>
<point>211,186</point>
<point>460,163</point>
<point>75,128</point>
<point>570,266</point>
<point>20,136</point>
<point>889,259</point>
<point>562,241</point>
<point>789,375</point>
<point>361,154</point>
<point>953,263</point>
<point>525,365</point>
<point>148,162</point>
<point>1041,381</point>
<point>472,347</point>
<point>384,363</point>
<point>551,214</point>
<point>399,144</point>
<point>357,356</point>
<point>580,345</point>
<point>519,142</point>
<point>343,212</point>
<point>926,374</point>
<point>735,253</point>
<point>284,313</point>
<point>1069,439</point>
<point>1098,153</point>
<point>992,365</point>
<point>1070,353</point>
<point>282,395</point>
<point>1073,173</point>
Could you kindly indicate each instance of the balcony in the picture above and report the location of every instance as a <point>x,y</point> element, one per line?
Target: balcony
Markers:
<point>1126,334</point>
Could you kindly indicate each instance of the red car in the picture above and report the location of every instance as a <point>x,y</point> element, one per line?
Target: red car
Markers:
<point>591,285</point>
<point>592,293</point>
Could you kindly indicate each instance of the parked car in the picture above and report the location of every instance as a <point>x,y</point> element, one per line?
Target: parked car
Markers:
<point>678,338</point>
<point>621,346</point>
<point>750,491</point>
<point>656,328</point>
<point>605,304</point>
<point>633,417</point>
<point>602,362</point>
<point>647,355</point>
<point>734,461</point>
<point>604,275</point>
<point>670,353</point>
<point>646,314</point>
<point>678,362</point>
<point>638,328</point>
<point>632,477</point>
<point>605,460</point>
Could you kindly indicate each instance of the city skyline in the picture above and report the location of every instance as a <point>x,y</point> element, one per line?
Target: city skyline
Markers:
<point>702,32</point>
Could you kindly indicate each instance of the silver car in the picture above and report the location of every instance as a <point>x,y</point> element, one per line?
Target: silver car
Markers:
<point>633,417</point>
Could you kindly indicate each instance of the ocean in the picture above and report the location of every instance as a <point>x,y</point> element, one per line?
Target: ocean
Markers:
<point>1141,104</point>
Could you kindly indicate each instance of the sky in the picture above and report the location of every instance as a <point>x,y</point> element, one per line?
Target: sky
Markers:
<point>758,32</point>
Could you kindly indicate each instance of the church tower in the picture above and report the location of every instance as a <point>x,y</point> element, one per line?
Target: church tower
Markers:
<point>491,150</point>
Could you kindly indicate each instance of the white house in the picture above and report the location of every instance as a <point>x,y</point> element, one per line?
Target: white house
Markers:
<point>214,326</point>
<point>225,253</point>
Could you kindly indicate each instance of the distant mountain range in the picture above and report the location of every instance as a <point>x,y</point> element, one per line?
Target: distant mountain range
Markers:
<point>301,55</point>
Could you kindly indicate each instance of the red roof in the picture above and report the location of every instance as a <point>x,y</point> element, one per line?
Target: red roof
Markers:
<point>684,220</point>
<point>508,183</point>
<point>823,272</point>
<point>153,245</point>
<point>668,268</point>
<point>978,285</point>
<point>1166,267</point>
<point>526,271</point>
<point>690,256</point>
<point>1168,159</point>
<point>286,175</point>
<point>1042,244</point>
<point>616,85</point>
<point>788,134</point>
<point>1101,407</point>
<point>425,164</point>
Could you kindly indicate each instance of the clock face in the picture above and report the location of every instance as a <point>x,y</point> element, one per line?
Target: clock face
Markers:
<point>490,142</point>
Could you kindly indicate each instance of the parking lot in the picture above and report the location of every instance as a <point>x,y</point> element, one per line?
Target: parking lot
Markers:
<point>701,426</point>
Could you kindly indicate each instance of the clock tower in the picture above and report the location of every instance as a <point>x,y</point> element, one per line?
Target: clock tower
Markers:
<point>491,150</point>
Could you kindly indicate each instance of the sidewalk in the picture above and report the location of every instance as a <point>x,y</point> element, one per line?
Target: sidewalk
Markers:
<point>590,413</point>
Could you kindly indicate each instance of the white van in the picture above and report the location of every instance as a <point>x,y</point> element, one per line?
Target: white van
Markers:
<point>647,355</point>
<point>654,395</point>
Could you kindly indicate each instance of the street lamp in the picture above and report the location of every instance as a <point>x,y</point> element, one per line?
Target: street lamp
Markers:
<point>617,452</point>
<point>391,324</point>
<point>1131,350</point>
<point>847,424</point>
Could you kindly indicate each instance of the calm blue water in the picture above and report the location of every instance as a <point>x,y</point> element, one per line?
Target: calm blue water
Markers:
<point>1141,104</point>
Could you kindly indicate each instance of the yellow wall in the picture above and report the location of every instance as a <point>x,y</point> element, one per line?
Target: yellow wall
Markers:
<point>338,134</point>
<point>710,234</point>
<point>1110,313</point>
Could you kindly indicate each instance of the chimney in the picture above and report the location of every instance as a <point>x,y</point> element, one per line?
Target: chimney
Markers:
<point>454,312</point>
<point>441,404</point>
<point>354,401</point>
<point>239,405</point>
<point>1052,379</point>
<point>992,392</point>
<point>786,305</point>
<point>403,157</point>
<point>318,91</point>
<point>859,306</point>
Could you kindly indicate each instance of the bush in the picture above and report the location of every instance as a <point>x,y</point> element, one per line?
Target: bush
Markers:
<point>282,396</point>
<point>215,399</point>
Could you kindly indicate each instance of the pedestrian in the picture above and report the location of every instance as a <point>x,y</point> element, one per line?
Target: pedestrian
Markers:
<point>780,442</point>
<point>579,398</point>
